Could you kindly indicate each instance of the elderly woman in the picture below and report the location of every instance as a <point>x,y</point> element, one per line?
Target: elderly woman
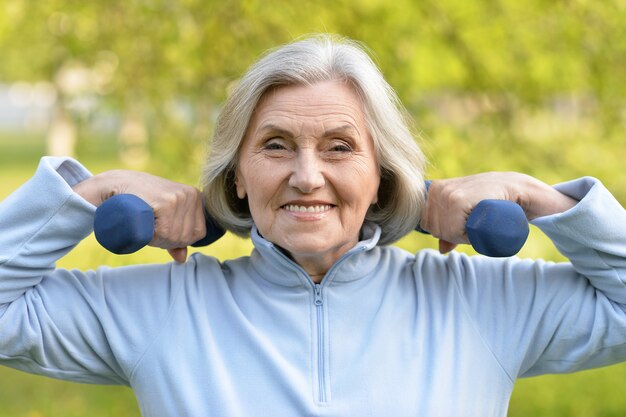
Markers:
<point>313,159</point>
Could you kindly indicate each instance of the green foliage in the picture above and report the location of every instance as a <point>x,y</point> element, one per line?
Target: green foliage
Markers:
<point>595,393</point>
<point>495,74</point>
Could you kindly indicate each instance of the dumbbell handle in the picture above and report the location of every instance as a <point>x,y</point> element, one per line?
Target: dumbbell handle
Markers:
<point>124,224</point>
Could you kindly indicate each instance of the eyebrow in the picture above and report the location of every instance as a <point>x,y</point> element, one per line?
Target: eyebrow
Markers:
<point>340,129</point>
<point>270,127</point>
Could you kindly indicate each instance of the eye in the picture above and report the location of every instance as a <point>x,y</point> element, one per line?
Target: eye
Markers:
<point>274,144</point>
<point>340,146</point>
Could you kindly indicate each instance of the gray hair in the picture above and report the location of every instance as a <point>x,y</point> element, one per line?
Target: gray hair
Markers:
<point>306,62</point>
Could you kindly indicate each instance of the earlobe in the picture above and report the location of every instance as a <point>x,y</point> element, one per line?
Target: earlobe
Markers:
<point>241,190</point>
<point>375,198</point>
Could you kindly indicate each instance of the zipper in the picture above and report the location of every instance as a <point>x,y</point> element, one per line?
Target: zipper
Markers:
<point>321,373</point>
<point>318,301</point>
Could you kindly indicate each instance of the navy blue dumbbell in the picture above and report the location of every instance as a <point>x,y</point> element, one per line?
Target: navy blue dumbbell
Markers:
<point>496,228</point>
<point>124,224</point>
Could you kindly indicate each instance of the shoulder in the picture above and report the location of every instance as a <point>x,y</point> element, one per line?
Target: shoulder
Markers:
<point>201,264</point>
<point>466,272</point>
<point>422,263</point>
<point>199,269</point>
<point>205,267</point>
<point>424,268</point>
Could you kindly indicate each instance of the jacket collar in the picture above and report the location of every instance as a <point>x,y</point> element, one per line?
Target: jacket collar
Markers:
<point>275,266</point>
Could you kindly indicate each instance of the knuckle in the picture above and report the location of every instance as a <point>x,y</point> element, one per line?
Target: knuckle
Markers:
<point>169,199</point>
<point>456,196</point>
<point>198,233</point>
<point>179,196</point>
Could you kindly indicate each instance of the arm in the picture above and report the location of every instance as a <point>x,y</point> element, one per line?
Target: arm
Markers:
<point>45,202</point>
<point>541,317</point>
<point>592,236</point>
<point>88,327</point>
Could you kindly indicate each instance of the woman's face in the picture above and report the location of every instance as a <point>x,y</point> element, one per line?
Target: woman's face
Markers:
<point>309,170</point>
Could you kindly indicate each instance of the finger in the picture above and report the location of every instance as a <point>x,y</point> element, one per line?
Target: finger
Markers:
<point>445,213</point>
<point>446,247</point>
<point>428,221</point>
<point>190,218</point>
<point>200,222</point>
<point>176,221</point>
<point>178,254</point>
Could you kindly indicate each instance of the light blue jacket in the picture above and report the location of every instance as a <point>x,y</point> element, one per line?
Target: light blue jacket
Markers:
<point>387,333</point>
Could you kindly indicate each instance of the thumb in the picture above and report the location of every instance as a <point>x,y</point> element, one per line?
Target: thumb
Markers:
<point>178,254</point>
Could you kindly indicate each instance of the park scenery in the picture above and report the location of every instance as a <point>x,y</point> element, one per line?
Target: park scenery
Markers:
<point>502,85</point>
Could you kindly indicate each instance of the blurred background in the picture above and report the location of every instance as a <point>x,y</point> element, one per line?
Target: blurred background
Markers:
<point>537,86</point>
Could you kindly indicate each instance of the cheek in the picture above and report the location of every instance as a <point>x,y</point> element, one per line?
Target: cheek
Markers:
<point>359,189</point>
<point>261,183</point>
<point>249,175</point>
<point>366,182</point>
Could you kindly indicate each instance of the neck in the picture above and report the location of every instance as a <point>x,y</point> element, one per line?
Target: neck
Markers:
<point>317,278</point>
<point>316,268</point>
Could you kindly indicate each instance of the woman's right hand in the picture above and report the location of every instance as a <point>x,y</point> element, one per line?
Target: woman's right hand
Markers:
<point>178,210</point>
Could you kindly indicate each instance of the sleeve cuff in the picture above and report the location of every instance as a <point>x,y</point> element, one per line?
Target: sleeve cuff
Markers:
<point>597,222</point>
<point>45,202</point>
<point>69,169</point>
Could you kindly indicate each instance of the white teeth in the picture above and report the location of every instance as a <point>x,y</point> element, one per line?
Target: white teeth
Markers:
<point>309,209</point>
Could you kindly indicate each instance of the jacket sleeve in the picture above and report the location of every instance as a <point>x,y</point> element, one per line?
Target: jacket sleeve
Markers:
<point>85,327</point>
<point>542,317</point>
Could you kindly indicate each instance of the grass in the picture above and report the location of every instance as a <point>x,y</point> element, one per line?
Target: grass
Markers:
<point>593,393</point>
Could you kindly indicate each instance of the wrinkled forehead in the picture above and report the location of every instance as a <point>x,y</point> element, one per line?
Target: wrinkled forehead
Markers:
<point>325,105</point>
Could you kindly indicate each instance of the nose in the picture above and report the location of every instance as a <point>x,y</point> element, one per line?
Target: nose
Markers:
<point>306,174</point>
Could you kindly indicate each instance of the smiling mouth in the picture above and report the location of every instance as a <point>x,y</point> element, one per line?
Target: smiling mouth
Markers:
<point>318,208</point>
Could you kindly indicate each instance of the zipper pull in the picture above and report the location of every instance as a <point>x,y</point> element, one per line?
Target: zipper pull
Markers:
<point>318,295</point>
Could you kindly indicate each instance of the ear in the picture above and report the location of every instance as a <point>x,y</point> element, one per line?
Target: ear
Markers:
<point>375,199</point>
<point>239,184</point>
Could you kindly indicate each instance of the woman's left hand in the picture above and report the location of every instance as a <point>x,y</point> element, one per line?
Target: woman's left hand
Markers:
<point>451,201</point>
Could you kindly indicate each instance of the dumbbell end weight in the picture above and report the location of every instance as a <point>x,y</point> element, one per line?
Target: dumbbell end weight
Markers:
<point>497,228</point>
<point>124,224</point>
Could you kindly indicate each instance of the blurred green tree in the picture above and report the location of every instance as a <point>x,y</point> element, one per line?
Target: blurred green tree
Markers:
<point>496,75</point>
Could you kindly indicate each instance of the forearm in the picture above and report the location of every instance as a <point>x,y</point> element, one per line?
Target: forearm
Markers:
<point>592,235</point>
<point>539,199</point>
<point>39,223</point>
<point>57,322</point>
<point>543,317</point>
